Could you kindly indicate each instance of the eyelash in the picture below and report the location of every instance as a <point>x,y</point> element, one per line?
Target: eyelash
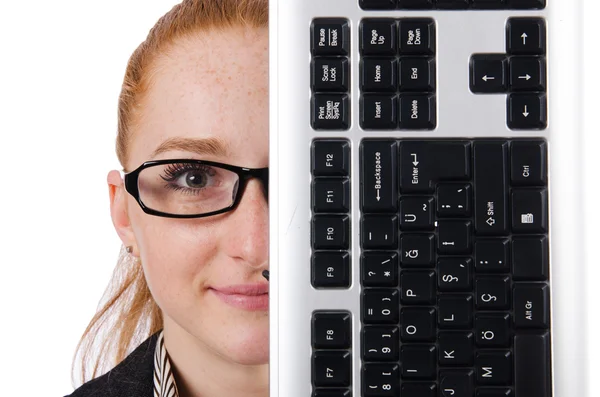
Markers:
<point>174,171</point>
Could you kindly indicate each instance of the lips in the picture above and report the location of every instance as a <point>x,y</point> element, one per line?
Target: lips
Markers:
<point>244,296</point>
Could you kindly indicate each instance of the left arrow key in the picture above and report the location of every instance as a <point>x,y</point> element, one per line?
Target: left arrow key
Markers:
<point>488,73</point>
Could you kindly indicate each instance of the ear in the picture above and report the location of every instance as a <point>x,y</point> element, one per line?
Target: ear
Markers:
<point>118,210</point>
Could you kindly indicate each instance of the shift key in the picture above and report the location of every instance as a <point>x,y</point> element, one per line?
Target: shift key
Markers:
<point>378,179</point>
<point>491,190</point>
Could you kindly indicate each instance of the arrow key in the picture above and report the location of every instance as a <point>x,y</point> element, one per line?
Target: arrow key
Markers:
<point>488,73</point>
<point>527,111</point>
<point>527,74</point>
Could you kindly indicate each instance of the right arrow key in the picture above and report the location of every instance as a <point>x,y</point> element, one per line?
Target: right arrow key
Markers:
<point>527,74</point>
<point>527,111</point>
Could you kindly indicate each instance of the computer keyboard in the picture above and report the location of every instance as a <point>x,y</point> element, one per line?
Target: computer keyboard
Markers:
<point>418,148</point>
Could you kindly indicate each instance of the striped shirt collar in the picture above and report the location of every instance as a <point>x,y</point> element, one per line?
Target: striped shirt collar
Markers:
<point>164,381</point>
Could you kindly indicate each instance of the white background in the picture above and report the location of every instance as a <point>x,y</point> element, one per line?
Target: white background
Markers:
<point>61,66</point>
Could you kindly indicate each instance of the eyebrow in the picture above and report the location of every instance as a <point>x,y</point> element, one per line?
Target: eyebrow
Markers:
<point>202,146</point>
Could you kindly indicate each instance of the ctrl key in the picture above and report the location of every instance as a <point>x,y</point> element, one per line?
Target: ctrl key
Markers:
<point>331,368</point>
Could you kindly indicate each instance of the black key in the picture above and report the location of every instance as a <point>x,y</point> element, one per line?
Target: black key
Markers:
<point>380,343</point>
<point>417,287</point>
<point>492,293</point>
<point>493,367</point>
<point>331,232</point>
<point>331,330</point>
<point>378,181</point>
<point>378,74</point>
<point>526,36</point>
<point>454,200</point>
<point>378,36</point>
<point>330,269</point>
<point>491,256</point>
<point>455,4</point>
<point>417,36</point>
<point>455,348</point>
<point>417,112</point>
<point>330,36</point>
<point>455,311</point>
<point>532,365</point>
<point>492,329</point>
<point>417,250</point>
<point>329,74</point>
<point>529,211</point>
<point>454,237</point>
<point>378,111</point>
<point>416,213</point>
<point>454,274</point>
<point>494,392</point>
<point>380,306</point>
<point>528,163</point>
<point>417,324</point>
<point>418,390</point>
<point>417,74</point>
<point>423,163</point>
<point>332,393</point>
<point>377,4</point>
<point>527,73</point>
<point>331,368</point>
<point>380,380</point>
<point>488,73</point>
<point>530,258</point>
<point>379,231</point>
<point>527,111</point>
<point>489,4</point>
<point>418,362</point>
<point>491,179</point>
<point>331,195</point>
<point>379,269</point>
<point>416,4</point>
<point>330,111</point>
<point>330,158</point>
<point>532,305</point>
<point>456,383</point>
<point>530,4</point>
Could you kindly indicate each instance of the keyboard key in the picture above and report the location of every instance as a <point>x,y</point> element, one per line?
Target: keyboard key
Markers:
<point>490,179</point>
<point>455,311</point>
<point>380,343</point>
<point>454,237</point>
<point>380,380</point>
<point>527,73</point>
<point>532,305</point>
<point>454,200</point>
<point>330,36</point>
<point>527,111</point>
<point>330,111</point>
<point>424,163</point>
<point>526,36</point>
<point>378,36</point>
<point>417,74</point>
<point>455,348</point>
<point>331,368</point>
<point>456,4</point>
<point>417,250</point>
<point>488,73</point>
<point>417,36</point>
<point>379,231</point>
<point>380,306</point>
<point>378,179</point>
<point>493,367</point>
<point>417,112</point>
<point>528,163</point>
<point>331,232</point>
<point>330,158</point>
<point>456,383</point>
<point>493,329</point>
<point>378,74</point>
<point>527,4</point>
<point>454,274</point>
<point>491,256</point>
<point>418,362</point>
<point>331,330</point>
<point>377,4</point>
<point>329,74</point>
<point>418,390</point>
<point>378,111</point>
<point>532,365</point>
<point>331,195</point>
<point>490,4</point>
<point>530,258</point>
<point>492,293</point>
<point>379,269</point>
<point>417,287</point>
<point>417,324</point>
<point>416,213</point>
<point>416,4</point>
<point>332,393</point>
<point>330,269</point>
<point>529,211</point>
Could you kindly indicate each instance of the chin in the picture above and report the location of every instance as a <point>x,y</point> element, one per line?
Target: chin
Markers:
<point>248,348</point>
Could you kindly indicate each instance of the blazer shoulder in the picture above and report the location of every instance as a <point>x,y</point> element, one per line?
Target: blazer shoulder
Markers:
<point>132,377</point>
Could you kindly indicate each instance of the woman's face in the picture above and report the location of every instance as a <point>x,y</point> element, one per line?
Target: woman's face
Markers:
<point>214,87</point>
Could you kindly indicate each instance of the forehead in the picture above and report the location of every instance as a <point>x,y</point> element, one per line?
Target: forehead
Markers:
<point>214,86</point>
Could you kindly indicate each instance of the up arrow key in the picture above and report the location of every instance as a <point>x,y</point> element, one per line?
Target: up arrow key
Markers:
<point>524,37</point>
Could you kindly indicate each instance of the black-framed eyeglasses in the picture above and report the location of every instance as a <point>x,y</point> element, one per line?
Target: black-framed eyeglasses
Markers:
<point>188,188</point>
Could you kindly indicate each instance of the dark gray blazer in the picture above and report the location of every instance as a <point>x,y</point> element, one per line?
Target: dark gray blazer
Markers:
<point>133,377</point>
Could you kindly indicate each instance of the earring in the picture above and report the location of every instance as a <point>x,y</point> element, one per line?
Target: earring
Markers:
<point>129,249</point>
